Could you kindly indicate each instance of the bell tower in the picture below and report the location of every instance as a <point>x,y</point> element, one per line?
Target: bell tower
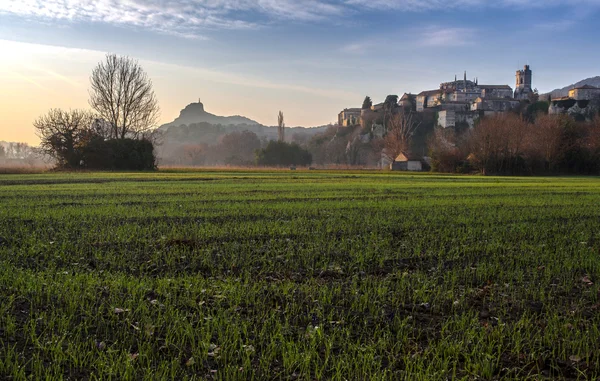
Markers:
<point>523,83</point>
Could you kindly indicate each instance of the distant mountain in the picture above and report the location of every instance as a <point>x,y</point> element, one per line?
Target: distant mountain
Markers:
<point>194,113</point>
<point>564,92</point>
<point>195,126</point>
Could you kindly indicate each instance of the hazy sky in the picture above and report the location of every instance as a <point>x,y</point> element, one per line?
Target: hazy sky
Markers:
<point>309,58</point>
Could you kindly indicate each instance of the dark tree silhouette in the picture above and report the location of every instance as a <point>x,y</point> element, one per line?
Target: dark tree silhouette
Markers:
<point>64,135</point>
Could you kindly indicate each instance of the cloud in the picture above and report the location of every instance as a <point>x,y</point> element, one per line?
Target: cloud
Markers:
<point>184,18</point>
<point>193,18</point>
<point>466,5</point>
<point>448,37</point>
<point>555,26</point>
<point>413,5</point>
<point>357,48</point>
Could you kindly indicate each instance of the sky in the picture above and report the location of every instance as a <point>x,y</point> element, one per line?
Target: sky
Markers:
<point>308,58</point>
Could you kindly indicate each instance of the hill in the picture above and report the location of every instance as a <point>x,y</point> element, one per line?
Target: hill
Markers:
<point>556,93</point>
<point>195,126</point>
<point>195,113</point>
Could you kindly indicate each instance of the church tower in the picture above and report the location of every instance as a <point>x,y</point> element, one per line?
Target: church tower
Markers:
<point>523,85</point>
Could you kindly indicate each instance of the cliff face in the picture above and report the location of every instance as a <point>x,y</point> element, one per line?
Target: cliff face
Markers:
<point>194,113</point>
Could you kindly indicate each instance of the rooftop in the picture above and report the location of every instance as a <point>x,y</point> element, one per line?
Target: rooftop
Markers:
<point>405,156</point>
<point>429,92</point>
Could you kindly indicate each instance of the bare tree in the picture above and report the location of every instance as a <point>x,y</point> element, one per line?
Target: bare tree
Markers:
<point>545,140</point>
<point>401,128</point>
<point>64,134</point>
<point>280,126</point>
<point>121,93</point>
<point>497,144</point>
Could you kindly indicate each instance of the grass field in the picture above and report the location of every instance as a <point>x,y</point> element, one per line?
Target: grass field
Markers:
<point>298,276</point>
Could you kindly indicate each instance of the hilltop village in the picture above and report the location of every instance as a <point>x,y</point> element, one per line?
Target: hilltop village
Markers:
<point>460,103</point>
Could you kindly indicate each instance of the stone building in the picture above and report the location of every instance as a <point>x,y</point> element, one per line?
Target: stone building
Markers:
<point>455,106</point>
<point>460,91</point>
<point>496,91</point>
<point>428,99</point>
<point>459,102</point>
<point>452,118</point>
<point>495,104</point>
<point>523,86</point>
<point>584,93</point>
<point>349,117</point>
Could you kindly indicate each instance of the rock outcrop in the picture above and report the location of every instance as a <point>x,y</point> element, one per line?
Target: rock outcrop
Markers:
<point>194,113</point>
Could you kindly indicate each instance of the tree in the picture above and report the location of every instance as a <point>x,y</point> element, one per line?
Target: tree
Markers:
<point>282,153</point>
<point>545,140</point>
<point>2,152</point>
<point>64,135</point>
<point>399,136</point>
<point>446,151</point>
<point>121,93</point>
<point>280,127</point>
<point>238,148</point>
<point>367,103</point>
<point>497,144</point>
<point>389,106</point>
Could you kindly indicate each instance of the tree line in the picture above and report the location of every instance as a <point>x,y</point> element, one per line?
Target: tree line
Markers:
<point>241,148</point>
<point>511,144</point>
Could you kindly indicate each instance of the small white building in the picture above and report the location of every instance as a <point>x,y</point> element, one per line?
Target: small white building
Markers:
<point>407,162</point>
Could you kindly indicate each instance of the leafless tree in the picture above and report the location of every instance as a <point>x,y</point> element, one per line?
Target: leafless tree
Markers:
<point>497,143</point>
<point>64,134</point>
<point>401,128</point>
<point>545,140</point>
<point>121,93</point>
<point>280,126</point>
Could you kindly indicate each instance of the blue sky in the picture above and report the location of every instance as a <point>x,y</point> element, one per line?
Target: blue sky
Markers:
<point>309,58</point>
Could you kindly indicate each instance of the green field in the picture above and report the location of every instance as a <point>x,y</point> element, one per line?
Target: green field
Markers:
<point>298,276</point>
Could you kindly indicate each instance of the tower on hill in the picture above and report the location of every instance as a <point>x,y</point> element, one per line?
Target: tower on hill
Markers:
<point>523,85</point>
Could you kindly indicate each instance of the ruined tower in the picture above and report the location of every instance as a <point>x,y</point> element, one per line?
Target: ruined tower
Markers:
<point>523,85</point>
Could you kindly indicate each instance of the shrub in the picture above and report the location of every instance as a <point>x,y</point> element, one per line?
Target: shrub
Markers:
<point>120,154</point>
